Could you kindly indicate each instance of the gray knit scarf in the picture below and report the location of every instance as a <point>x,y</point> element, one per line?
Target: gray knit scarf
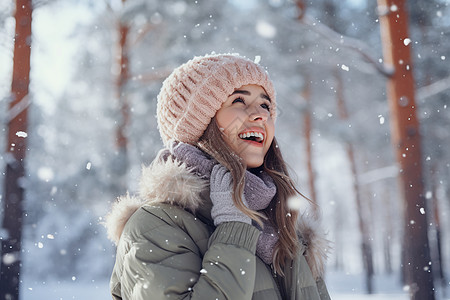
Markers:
<point>259,191</point>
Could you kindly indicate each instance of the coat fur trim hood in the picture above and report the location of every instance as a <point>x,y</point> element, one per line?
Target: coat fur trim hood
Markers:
<point>173,182</point>
<point>161,182</point>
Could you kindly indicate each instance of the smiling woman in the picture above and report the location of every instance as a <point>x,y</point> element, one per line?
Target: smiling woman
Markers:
<point>212,217</point>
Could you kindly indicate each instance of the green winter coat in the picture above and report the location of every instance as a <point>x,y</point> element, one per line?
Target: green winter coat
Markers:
<point>169,248</point>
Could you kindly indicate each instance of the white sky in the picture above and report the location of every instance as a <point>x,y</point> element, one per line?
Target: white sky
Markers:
<point>52,51</point>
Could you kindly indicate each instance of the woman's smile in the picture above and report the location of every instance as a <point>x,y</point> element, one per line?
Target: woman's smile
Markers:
<point>254,136</point>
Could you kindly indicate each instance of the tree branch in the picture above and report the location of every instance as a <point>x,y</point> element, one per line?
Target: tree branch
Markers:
<point>347,42</point>
<point>433,89</point>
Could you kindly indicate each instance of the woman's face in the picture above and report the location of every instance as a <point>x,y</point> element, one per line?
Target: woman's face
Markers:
<point>245,120</point>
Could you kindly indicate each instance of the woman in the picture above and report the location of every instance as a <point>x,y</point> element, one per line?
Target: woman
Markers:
<point>212,219</point>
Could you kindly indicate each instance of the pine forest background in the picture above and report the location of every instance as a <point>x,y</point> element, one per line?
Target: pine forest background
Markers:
<point>97,67</point>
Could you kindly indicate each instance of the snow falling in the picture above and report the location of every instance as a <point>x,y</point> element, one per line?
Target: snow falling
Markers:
<point>74,169</point>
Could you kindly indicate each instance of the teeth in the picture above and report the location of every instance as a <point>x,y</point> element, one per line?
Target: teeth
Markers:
<point>252,133</point>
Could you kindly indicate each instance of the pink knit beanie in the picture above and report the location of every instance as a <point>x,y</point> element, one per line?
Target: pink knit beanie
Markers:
<point>195,91</point>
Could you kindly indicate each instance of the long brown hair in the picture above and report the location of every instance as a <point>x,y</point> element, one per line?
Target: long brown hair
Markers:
<point>278,212</point>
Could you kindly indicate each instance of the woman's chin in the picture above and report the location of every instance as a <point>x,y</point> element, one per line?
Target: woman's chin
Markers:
<point>253,162</point>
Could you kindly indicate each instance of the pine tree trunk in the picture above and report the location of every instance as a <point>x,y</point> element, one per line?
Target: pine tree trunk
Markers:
<point>121,163</point>
<point>366,247</point>
<point>306,95</point>
<point>122,140</point>
<point>388,231</point>
<point>15,154</point>
<point>301,8</point>
<point>437,257</point>
<point>406,140</point>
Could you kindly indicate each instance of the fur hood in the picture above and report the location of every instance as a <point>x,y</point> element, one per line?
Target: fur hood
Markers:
<point>173,182</point>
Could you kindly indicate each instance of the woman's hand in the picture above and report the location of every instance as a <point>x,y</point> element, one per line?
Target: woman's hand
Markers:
<point>221,194</point>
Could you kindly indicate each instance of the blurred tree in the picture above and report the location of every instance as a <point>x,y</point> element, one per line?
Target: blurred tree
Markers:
<point>331,27</point>
<point>307,127</point>
<point>307,131</point>
<point>121,162</point>
<point>15,155</point>
<point>407,143</point>
<point>433,81</point>
<point>361,209</point>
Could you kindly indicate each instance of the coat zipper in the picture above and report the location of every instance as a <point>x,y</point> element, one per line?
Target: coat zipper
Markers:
<point>281,290</point>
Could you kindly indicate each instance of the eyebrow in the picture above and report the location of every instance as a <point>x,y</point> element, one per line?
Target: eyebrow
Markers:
<point>247,93</point>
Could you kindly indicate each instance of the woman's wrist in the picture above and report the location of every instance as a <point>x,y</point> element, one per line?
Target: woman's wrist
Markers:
<point>236,233</point>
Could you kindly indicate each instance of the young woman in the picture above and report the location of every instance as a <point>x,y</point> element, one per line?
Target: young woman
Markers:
<point>212,219</point>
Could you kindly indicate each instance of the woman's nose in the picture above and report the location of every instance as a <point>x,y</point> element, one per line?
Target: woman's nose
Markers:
<point>259,114</point>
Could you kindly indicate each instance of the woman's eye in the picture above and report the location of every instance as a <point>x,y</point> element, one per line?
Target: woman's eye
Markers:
<point>238,100</point>
<point>265,106</point>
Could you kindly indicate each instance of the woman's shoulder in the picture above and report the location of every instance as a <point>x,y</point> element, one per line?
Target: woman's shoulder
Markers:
<point>152,214</point>
<point>167,219</point>
<point>166,213</point>
<point>166,184</point>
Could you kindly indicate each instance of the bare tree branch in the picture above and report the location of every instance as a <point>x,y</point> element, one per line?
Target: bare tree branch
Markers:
<point>142,33</point>
<point>433,89</point>
<point>347,42</point>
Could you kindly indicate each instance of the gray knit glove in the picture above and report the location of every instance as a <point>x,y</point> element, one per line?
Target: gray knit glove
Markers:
<point>223,209</point>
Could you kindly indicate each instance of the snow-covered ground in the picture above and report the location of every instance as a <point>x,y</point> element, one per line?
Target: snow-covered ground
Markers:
<point>351,287</point>
<point>341,286</point>
<point>65,290</point>
<point>386,287</point>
